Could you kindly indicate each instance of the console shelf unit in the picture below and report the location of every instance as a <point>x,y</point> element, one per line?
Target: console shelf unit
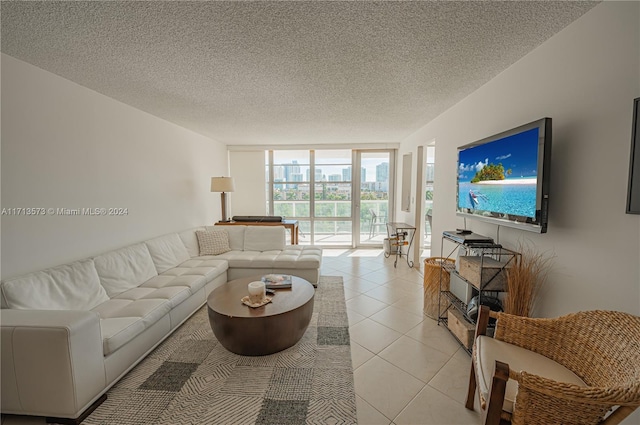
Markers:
<point>487,252</point>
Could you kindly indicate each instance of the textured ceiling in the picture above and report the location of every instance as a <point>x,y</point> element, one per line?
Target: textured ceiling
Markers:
<point>254,73</point>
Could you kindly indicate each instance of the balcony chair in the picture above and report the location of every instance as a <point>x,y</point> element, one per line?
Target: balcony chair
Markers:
<point>578,369</point>
<point>376,222</point>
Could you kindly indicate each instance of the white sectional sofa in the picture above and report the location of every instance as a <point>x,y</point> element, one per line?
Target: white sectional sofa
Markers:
<point>70,332</point>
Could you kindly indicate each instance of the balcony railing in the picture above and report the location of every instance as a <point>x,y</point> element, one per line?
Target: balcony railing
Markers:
<point>333,222</point>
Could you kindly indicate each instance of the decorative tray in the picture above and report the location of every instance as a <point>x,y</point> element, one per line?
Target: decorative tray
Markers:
<point>245,301</point>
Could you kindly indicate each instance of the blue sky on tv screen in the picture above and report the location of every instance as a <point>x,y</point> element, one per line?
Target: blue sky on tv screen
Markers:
<point>518,152</point>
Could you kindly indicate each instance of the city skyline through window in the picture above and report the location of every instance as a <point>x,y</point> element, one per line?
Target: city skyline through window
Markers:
<point>329,210</point>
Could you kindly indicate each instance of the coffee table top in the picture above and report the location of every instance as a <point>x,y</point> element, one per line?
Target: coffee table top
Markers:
<point>226,299</point>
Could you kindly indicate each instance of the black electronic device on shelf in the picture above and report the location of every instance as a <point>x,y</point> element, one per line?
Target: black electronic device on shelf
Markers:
<point>466,238</point>
<point>481,244</point>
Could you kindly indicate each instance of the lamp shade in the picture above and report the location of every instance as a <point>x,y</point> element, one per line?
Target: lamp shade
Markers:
<point>222,184</point>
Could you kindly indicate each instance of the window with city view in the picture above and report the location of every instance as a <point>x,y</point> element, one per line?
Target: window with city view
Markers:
<point>326,216</point>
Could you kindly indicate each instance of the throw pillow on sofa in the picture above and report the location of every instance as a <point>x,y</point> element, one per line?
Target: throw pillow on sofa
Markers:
<point>213,242</point>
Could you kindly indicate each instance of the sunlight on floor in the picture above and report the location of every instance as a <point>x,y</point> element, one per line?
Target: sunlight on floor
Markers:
<point>333,252</point>
<point>366,253</point>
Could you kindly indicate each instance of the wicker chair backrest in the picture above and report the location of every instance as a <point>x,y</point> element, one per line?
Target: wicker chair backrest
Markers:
<point>601,347</point>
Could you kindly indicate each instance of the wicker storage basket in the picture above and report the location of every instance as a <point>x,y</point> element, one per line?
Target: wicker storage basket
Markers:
<point>432,270</point>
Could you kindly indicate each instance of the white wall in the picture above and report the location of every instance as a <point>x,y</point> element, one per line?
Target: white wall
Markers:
<point>64,146</point>
<point>248,171</point>
<point>585,78</point>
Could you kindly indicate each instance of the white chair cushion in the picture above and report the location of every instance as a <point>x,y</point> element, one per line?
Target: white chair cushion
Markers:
<point>125,268</point>
<point>264,238</point>
<point>74,286</point>
<point>489,350</point>
<point>213,242</point>
<point>167,252</point>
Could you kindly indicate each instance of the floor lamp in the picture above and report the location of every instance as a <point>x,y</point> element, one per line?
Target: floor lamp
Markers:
<point>223,185</point>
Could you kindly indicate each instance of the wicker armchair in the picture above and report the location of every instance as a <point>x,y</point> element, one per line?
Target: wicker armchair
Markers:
<point>599,349</point>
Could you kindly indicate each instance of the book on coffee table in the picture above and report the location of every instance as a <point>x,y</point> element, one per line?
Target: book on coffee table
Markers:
<point>277,281</point>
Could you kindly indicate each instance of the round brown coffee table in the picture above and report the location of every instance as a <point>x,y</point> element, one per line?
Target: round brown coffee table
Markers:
<point>263,330</point>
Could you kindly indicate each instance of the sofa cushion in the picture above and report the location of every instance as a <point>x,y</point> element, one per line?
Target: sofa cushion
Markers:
<point>173,294</point>
<point>134,317</point>
<point>193,274</point>
<point>206,269</point>
<point>518,359</point>
<point>148,310</point>
<point>193,282</point>
<point>129,313</point>
<point>253,259</point>
<point>167,252</point>
<point>74,286</point>
<point>299,257</point>
<point>236,236</point>
<point>190,241</point>
<point>125,268</point>
<point>213,242</point>
<point>236,259</point>
<point>207,261</point>
<point>264,238</point>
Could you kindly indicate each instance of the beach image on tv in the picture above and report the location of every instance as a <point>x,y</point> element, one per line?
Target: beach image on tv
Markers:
<point>500,176</point>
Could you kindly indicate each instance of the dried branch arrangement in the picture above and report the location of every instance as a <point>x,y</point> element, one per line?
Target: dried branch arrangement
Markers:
<point>526,279</point>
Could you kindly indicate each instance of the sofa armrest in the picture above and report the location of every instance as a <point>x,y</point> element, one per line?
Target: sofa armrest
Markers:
<point>52,361</point>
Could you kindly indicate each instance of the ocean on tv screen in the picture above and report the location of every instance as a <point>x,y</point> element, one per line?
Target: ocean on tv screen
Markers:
<point>513,199</point>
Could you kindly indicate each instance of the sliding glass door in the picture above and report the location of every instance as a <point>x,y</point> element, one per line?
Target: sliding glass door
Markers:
<point>313,187</point>
<point>332,206</point>
<point>317,187</point>
<point>374,178</point>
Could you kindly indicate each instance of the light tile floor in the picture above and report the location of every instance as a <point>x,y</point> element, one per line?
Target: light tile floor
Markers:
<point>407,369</point>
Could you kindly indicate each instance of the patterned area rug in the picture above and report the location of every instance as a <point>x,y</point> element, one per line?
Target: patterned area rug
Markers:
<point>191,379</point>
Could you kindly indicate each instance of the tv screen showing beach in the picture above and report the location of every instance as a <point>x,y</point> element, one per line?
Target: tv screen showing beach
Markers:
<point>500,176</point>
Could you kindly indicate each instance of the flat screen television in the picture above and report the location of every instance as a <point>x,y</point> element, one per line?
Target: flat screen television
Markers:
<point>504,179</point>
